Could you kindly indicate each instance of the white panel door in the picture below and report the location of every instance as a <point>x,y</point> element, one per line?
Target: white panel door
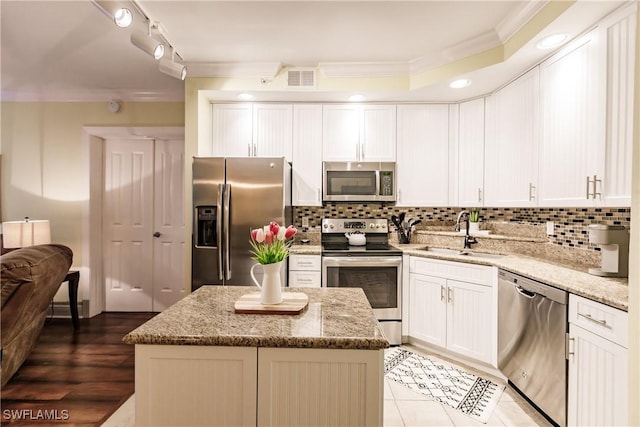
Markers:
<point>168,248</point>
<point>572,106</point>
<point>469,320</point>
<point>598,385</point>
<point>272,130</point>
<point>428,309</point>
<point>307,155</point>
<point>340,133</point>
<point>378,133</point>
<point>471,153</point>
<point>511,145</point>
<point>128,225</point>
<point>423,155</point>
<point>232,130</point>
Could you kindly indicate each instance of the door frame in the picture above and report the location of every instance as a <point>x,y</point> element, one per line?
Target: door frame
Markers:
<point>92,274</point>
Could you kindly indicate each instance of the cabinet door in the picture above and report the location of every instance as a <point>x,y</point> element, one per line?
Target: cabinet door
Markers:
<point>511,145</point>
<point>620,32</point>
<point>232,130</point>
<point>598,385</point>
<point>378,133</point>
<point>469,321</point>
<point>340,133</point>
<point>572,124</point>
<point>272,130</point>
<point>307,152</point>
<point>423,155</point>
<point>428,309</point>
<point>471,153</point>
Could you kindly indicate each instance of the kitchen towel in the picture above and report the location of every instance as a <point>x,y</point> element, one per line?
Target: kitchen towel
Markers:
<point>468,393</point>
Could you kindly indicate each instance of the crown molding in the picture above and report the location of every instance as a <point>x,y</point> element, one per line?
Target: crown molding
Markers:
<point>234,69</point>
<point>364,69</point>
<point>92,96</point>
<point>514,21</point>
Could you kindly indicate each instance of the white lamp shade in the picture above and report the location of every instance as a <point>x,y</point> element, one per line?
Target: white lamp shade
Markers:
<point>19,234</point>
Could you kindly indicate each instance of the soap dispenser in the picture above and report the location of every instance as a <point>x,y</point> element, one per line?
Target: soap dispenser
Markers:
<point>613,241</point>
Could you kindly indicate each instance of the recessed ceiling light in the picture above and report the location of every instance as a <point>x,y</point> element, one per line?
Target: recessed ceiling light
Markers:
<point>357,98</point>
<point>551,41</point>
<point>460,83</point>
<point>245,96</point>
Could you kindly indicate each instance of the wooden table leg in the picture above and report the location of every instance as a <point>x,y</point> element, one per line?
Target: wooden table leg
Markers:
<point>73,277</point>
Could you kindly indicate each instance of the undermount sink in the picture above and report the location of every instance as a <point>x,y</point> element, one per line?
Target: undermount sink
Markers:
<point>475,254</point>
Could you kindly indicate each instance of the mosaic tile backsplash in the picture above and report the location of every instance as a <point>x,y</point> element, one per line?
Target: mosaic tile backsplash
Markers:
<point>570,224</point>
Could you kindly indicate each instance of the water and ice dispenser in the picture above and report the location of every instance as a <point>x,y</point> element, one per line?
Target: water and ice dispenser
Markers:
<point>206,226</point>
<point>614,247</point>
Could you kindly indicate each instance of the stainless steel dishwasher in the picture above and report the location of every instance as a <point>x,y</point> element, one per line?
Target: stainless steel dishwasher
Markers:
<point>532,327</point>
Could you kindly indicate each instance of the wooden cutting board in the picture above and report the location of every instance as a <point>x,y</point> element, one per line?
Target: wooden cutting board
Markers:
<point>293,303</point>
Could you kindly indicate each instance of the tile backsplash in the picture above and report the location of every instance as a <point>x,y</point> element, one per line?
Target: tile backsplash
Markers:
<point>570,224</point>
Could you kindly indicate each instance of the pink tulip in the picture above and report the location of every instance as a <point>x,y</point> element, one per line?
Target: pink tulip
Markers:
<point>290,232</point>
<point>257,235</point>
<point>274,227</point>
<point>268,237</point>
<point>281,233</point>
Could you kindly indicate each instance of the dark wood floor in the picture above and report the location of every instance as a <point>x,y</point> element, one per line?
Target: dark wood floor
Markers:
<point>79,377</point>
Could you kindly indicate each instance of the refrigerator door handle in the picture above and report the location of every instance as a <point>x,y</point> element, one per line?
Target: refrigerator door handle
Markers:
<point>227,232</point>
<point>219,231</point>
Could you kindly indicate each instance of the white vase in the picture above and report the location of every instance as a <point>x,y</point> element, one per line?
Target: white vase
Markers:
<point>271,286</point>
<point>474,227</point>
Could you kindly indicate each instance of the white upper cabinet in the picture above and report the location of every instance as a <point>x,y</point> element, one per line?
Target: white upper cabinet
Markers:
<point>620,29</point>
<point>250,130</point>
<point>307,152</point>
<point>572,101</point>
<point>423,155</point>
<point>232,130</point>
<point>511,144</point>
<point>470,153</point>
<point>359,133</point>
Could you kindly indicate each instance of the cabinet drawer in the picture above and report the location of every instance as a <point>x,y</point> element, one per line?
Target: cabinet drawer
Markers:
<point>480,274</point>
<point>602,320</point>
<point>304,279</point>
<point>305,262</point>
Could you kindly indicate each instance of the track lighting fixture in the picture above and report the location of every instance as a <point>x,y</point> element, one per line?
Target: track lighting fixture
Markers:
<point>121,16</point>
<point>147,44</point>
<point>173,69</point>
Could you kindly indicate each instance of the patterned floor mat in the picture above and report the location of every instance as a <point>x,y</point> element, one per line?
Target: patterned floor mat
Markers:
<point>472,395</point>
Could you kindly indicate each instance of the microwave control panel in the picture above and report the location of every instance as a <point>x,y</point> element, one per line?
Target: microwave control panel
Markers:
<point>386,183</point>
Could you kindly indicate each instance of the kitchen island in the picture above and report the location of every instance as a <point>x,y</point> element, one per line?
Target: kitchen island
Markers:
<point>200,363</point>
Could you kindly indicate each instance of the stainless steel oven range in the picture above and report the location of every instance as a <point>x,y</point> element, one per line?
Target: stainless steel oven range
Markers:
<point>373,266</point>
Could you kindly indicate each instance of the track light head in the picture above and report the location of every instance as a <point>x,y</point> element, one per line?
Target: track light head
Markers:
<point>147,44</point>
<point>173,69</point>
<point>121,16</point>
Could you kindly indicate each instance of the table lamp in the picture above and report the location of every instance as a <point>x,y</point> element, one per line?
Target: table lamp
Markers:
<point>19,234</point>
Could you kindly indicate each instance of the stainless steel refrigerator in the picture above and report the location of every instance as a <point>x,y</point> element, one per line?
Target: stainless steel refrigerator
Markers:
<point>232,196</point>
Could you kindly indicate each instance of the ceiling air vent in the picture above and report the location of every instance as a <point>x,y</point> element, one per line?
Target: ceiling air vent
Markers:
<point>301,79</point>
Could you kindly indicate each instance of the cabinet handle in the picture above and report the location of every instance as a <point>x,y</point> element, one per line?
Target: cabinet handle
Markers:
<point>357,151</point>
<point>568,347</point>
<point>441,293</point>
<point>362,151</point>
<point>599,322</point>
<point>531,188</point>
<point>588,184</point>
<point>449,294</point>
<point>596,193</point>
<point>479,194</point>
<point>255,150</point>
<point>319,195</point>
<point>249,150</point>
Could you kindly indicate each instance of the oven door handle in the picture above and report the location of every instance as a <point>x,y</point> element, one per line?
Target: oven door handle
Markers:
<point>361,261</point>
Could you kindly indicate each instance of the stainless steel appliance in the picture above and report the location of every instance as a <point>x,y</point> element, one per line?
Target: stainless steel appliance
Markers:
<point>376,267</point>
<point>359,181</point>
<point>231,196</point>
<point>532,330</point>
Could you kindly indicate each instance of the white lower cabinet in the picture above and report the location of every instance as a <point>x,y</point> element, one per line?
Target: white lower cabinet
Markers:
<point>305,271</point>
<point>452,305</point>
<point>598,385</point>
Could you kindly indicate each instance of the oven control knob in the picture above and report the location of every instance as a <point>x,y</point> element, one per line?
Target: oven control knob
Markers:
<point>331,226</point>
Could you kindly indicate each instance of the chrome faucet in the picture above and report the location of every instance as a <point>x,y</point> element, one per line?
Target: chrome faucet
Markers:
<point>468,240</point>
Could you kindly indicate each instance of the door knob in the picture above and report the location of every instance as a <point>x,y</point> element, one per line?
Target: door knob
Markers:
<point>157,234</point>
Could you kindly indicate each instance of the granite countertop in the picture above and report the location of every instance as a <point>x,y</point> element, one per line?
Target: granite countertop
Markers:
<point>610,291</point>
<point>305,249</point>
<point>334,318</point>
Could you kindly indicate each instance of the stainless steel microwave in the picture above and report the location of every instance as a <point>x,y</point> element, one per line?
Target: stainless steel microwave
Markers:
<point>359,181</point>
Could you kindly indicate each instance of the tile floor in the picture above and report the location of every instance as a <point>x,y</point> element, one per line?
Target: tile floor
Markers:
<point>404,407</point>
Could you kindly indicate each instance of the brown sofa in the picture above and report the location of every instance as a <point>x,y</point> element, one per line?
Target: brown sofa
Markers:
<point>30,277</point>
